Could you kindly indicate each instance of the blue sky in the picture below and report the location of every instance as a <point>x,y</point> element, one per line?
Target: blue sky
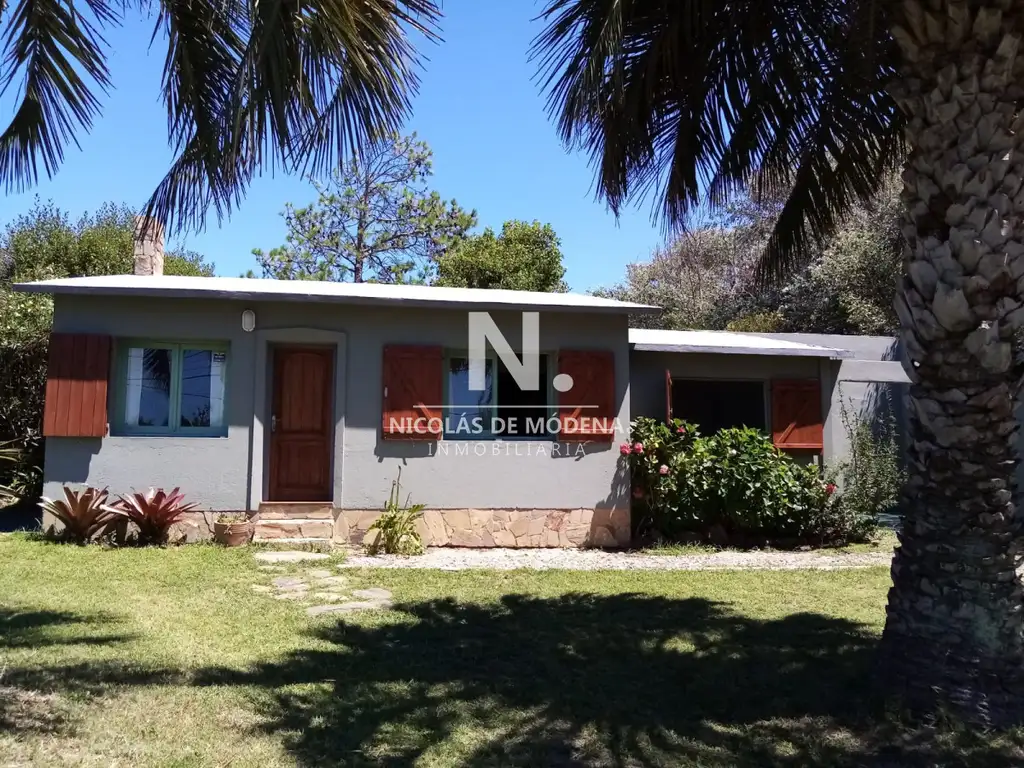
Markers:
<point>495,149</point>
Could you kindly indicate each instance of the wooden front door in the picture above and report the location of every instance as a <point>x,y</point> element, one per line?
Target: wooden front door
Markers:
<point>302,424</point>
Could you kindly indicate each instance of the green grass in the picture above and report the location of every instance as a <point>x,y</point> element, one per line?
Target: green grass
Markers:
<point>883,541</point>
<point>167,657</point>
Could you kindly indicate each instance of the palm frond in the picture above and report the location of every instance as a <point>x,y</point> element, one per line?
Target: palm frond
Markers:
<point>57,51</point>
<point>696,100</point>
<point>248,85</point>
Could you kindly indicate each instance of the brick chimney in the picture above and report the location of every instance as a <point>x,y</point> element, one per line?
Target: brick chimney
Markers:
<point>149,246</point>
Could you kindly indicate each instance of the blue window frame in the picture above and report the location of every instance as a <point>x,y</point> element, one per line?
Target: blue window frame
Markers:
<point>171,388</point>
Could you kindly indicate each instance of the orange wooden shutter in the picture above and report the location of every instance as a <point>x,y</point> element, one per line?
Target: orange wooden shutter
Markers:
<point>76,386</point>
<point>587,411</point>
<point>413,389</point>
<point>796,414</point>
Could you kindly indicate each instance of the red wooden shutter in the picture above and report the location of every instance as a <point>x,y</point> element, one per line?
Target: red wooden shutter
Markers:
<point>76,386</point>
<point>796,414</point>
<point>588,410</point>
<point>413,390</point>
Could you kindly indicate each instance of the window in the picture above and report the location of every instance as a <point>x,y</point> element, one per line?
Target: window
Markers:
<point>501,409</point>
<point>715,405</point>
<point>168,388</point>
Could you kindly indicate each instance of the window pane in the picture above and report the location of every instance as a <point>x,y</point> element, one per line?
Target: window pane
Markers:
<point>202,388</point>
<point>463,402</point>
<point>148,388</point>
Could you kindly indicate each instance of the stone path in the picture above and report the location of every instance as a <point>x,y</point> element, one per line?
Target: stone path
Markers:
<point>450,559</point>
<point>318,585</point>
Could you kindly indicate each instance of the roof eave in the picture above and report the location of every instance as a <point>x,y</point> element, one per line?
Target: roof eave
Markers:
<point>833,354</point>
<point>188,293</point>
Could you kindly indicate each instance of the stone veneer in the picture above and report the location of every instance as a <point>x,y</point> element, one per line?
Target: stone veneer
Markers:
<point>502,527</point>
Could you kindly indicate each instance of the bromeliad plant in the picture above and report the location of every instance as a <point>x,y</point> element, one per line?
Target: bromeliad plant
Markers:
<point>153,512</point>
<point>84,514</point>
<point>396,526</point>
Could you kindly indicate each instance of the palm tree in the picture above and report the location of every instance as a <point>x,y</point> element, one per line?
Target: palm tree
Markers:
<point>247,85</point>
<point>691,100</point>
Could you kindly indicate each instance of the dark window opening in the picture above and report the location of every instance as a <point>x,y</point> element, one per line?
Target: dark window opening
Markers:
<point>715,405</point>
<point>522,413</point>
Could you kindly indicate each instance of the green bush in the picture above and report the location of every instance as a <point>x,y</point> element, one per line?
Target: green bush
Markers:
<point>732,486</point>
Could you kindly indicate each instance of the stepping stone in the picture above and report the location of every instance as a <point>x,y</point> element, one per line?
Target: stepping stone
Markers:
<point>284,582</point>
<point>319,573</point>
<point>290,596</point>
<point>332,580</point>
<point>289,556</point>
<point>261,588</point>
<point>352,607</point>
<point>328,597</point>
<point>373,593</point>
<point>271,567</point>
<point>294,588</point>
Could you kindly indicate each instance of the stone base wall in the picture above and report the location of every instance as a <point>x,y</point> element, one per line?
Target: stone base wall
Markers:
<point>196,526</point>
<point>501,527</point>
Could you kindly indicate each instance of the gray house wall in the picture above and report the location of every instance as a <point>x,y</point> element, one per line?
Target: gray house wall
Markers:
<point>870,385</point>
<point>226,473</point>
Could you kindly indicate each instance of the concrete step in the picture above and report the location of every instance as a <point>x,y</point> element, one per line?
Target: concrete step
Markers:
<point>314,528</point>
<point>296,510</point>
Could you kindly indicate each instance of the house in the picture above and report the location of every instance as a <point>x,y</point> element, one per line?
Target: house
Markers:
<point>298,402</point>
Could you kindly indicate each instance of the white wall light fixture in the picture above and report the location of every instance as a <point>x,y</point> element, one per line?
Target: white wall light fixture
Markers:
<point>248,321</point>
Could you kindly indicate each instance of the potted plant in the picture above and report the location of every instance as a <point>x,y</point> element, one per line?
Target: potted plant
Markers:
<point>232,529</point>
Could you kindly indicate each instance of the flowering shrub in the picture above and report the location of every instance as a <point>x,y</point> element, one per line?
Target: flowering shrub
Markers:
<point>734,483</point>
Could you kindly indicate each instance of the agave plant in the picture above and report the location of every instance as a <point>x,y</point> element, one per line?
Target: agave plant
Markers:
<point>84,514</point>
<point>153,512</point>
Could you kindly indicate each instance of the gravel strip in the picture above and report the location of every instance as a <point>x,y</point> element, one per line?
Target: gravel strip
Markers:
<point>453,559</point>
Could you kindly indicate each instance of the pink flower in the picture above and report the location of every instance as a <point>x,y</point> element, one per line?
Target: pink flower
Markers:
<point>681,430</point>
<point>663,470</point>
<point>624,449</point>
<point>830,488</point>
<point>638,447</point>
<point>638,492</point>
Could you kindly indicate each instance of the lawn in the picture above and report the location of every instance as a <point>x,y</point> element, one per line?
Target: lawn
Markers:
<point>168,657</point>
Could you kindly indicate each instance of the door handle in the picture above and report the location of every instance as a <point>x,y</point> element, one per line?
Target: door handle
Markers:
<point>273,423</point>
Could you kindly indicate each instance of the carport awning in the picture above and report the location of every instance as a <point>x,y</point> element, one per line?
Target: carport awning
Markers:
<point>726,343</point>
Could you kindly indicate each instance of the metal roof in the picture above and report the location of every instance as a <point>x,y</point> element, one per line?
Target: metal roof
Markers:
<point>315,290</point>
<point>725,342</point>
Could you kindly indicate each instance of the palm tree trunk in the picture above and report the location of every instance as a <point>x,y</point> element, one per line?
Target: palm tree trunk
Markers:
<point>954,633</point>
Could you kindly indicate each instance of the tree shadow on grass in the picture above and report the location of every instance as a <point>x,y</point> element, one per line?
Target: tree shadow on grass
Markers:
<point>32,694</point>
<point>35,629</point>
<point>586,680</point>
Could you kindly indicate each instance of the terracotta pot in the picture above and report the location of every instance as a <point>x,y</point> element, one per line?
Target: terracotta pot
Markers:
<point>232,534</point>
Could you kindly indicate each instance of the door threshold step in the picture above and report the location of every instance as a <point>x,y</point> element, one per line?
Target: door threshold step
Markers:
<point>290,510</point>
<point>279,521</point>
